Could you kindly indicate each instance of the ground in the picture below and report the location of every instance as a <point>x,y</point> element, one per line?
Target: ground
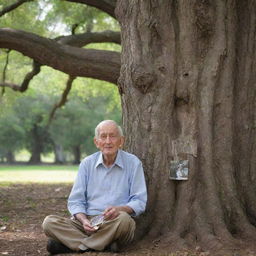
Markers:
<point>23,208</point>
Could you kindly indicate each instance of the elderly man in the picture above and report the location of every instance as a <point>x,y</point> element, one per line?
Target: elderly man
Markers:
<point>109,184</point>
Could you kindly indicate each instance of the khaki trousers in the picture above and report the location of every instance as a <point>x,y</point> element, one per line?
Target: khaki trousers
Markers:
<point>71,233</point>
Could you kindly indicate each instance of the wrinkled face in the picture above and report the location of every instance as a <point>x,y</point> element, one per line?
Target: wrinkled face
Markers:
<point>109,140</point>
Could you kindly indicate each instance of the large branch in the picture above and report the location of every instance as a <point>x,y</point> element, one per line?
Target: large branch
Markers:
<point>107,6</point>
<point>13,6</point>
<point>99,64</point>
<point>80,40</point>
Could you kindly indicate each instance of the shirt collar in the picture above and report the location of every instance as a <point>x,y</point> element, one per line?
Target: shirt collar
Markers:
<point>118,161</point>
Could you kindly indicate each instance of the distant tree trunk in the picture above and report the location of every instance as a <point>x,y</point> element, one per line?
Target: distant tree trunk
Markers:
<point>77,154</point>
<point>37,146</point>
<point>10,157</point>
<point>59,154</point>
<point>188,89</point>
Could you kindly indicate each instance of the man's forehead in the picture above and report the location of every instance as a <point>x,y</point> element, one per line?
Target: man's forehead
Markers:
<point>108,128</point>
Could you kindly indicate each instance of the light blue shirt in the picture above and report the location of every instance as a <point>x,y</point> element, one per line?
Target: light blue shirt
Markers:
<point>98,187</point>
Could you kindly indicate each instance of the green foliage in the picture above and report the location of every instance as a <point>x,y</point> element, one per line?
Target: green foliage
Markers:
<point>54,18</point>
<point>84,17</point>
<point>23,17</point>
<point>90,101</point>
<point>74,124</point>
<point>33,110</point>
<point>12,135</point>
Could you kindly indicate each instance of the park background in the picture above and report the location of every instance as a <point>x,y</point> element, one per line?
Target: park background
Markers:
<point>39,157</point>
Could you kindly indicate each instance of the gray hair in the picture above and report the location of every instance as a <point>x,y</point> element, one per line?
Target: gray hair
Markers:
<point>97,129</point>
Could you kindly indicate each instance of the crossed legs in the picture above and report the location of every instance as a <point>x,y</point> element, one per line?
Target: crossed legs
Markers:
<point>71,233</point>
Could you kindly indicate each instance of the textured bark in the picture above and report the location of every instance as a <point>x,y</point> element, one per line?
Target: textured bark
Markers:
<point>188,92</point>
<point>80,40</point>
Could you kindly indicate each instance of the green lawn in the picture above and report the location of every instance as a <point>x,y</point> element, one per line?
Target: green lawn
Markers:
<point>37,173</point>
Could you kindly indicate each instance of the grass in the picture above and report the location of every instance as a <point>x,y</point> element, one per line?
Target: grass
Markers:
<point>37,174</point>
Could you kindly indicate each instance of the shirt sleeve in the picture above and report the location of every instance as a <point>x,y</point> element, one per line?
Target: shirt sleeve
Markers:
<point>138,191</point>
<point>77,198</point>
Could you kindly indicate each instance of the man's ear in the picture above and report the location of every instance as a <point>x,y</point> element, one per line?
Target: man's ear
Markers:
<point>95,142</point>
<point>121,142</point>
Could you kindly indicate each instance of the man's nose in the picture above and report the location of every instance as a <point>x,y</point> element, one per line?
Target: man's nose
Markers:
<point>108,140</point>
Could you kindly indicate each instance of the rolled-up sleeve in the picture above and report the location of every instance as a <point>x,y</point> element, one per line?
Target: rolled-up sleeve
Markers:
<point>77,198</point>
<point>138,191</point>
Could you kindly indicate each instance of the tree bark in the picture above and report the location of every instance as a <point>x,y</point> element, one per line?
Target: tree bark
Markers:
<point>188,92</point>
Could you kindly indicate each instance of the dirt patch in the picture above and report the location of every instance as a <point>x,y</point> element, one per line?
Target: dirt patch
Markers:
<point>23,208</point>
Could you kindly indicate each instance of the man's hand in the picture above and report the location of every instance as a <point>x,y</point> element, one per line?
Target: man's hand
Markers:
<point>85,222</point>
<point>113,211</point>
<point>88,227</point>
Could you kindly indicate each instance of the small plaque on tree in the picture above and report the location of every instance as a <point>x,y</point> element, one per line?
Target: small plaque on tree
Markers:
<point>179,170</point>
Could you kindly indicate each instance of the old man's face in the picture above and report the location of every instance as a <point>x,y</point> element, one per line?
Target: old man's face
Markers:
<point>108,140</point>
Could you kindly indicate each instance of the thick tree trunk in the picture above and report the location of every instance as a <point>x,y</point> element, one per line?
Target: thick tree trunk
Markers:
<point>36,156</point>
<point>188,92</point>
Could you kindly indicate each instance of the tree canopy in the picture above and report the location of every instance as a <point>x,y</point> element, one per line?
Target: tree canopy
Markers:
<point>60,38</point>
<point>78,32</point>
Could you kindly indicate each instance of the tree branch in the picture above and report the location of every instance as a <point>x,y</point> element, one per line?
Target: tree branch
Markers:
<point>6,65</point>
<point>36,69</point>
<point>5,69</point>
<point>63,99</point>
<point>107,6</point>
<point>15,87</point>
<point>98,64</point>
<point>13,6</point>
<point>80,40</point>
<point>24,86</point>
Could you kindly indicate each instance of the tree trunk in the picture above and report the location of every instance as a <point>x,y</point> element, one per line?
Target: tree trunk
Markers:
<point>77,154</point>
<point>36,147</point>
<point>59,154</point>
<point>10,157</point>
<point>188,92</point>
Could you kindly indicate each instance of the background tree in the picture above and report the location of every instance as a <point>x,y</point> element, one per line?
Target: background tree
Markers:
<point>187,86</point>
<point>73,126</point>
<point>32,112</point>
<point>12,136</point>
